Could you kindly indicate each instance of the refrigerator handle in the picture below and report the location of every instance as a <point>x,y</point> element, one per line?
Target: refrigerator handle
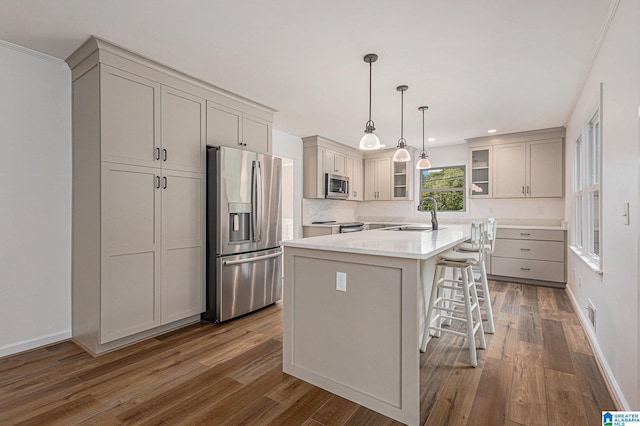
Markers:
<point>251,259</point>
<point>256,201</point>
<point>260,203</point>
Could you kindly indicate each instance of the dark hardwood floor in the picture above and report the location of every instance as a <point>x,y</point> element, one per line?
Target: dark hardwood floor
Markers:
<point>537,369</point>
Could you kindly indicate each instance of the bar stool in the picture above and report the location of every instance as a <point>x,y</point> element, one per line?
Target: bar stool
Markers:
<point>482,248</point>
<point>449,295</point>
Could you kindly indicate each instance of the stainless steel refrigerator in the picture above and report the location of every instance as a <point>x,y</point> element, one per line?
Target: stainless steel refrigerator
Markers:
<point>244,226</point>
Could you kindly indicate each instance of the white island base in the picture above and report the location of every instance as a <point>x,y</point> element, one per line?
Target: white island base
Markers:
<point>353,313</point>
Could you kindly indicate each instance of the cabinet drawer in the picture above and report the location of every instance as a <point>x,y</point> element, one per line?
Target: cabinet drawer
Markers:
<point>530,269</point>
<point>530,234</point>
<point>528,249</point>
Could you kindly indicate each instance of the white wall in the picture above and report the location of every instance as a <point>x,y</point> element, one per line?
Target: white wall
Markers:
<point>35,199</point>
<point>615,293</point>
<point>530,211</point>
<point>289,146</point>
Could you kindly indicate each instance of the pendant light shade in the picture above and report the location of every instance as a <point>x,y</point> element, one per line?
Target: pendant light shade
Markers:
<point>370,141</point>
<point>402,154</point>
<point>423,162</point>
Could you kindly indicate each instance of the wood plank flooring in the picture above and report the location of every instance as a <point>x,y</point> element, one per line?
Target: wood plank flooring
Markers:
<point>537,369</point>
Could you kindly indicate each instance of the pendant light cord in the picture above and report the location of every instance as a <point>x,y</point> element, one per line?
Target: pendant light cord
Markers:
<point>402,115</point>
<point>370,74</point>
<point>423,130</point>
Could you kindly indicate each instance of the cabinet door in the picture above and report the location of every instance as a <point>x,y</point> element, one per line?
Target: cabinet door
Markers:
<point>371,179</point>
<point>256,133</point>
<point>401,180</point>
<point>481,163</point>
<point>224,125</point>
<point>130,122</point>
<point>354,171</point>
<point>383,178</point>
<point>183,131</point>
<point>509,173</point>
<point>130,234</point>
<point>182,245</point>
<point>544,168</point>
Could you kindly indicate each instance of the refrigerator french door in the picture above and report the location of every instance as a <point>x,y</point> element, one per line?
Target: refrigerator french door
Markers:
<point>244,257</point>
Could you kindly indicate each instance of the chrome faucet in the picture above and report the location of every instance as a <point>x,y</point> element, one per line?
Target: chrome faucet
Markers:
<point>434,219</point>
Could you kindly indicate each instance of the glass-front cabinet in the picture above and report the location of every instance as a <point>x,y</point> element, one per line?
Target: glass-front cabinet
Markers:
<point>401,181</point>
<point>480,172</point>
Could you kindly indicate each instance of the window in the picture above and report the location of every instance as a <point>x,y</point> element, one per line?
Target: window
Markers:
<point>586,196</point>
<point>576,199</point>
<point>446,185</point>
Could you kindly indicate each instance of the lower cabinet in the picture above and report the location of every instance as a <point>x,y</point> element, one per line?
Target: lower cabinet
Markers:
<point>152,230</point>
<point>529,255</point>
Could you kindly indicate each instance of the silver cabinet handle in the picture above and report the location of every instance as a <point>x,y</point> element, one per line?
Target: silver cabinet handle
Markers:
<point>251,259</point>
<point>158,182</point>
<point>523,189</point>
<point>164,154</point>
<point>526,234</point>
<point>525,269</point>
<point>528,189</point>
<point>165,182</point>
<point>157,153</point>
<point>525,249</point>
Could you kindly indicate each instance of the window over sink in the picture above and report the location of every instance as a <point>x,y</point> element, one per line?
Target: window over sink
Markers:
<point>446,185</point>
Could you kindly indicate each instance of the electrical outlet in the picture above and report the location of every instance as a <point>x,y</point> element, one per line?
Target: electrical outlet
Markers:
<point>591,313</point>
<point>540,210</point>
<point>625,214</point>
<point>341,281</point>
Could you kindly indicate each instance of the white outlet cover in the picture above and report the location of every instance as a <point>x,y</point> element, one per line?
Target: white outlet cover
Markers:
<point>341,281</point>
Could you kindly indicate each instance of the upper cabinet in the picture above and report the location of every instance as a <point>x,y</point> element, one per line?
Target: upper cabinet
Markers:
<point>386,180</point>
<point>481,161</point>
<point>518,165</point>
<point>237,129</point>
<point>322,156</point>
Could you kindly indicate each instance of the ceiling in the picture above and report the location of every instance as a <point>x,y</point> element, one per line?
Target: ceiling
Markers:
<point>496,64</point>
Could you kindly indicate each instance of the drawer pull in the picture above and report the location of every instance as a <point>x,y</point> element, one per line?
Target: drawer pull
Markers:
<point>525,269</point>
<point>525,233</point>
<point>525,249</point>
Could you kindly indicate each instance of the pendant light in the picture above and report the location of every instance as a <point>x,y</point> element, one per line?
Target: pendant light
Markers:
<point>402,155</point>
<point>423,162</point>
<point>370,140</point>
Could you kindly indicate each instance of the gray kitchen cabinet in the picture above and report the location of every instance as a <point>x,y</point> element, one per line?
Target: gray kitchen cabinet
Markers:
<point>377,172</point>
<point>138,253</point>
<point>335,162</point>
<point>354,171</point>
<point>518,165</point>
<point>183,125</point>
<point>481,162</point>
<point>237,129</point>
<point>322,155</point>
<point>529,169</point>
<point>530,255</point>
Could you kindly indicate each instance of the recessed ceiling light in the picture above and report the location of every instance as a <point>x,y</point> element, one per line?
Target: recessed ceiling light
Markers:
<point>491,131</point>
<point>431,139</point>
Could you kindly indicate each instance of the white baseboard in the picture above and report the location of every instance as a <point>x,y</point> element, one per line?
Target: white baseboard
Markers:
<point>33,343</point>
<point>609,378</point>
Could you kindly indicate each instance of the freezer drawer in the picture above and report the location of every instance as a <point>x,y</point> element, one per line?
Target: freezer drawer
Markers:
<point>247,282</point>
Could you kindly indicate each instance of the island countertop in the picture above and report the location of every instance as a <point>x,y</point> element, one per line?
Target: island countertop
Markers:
<point>405,244</point>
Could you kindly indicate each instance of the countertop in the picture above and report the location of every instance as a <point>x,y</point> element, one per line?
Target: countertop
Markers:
<point>405,244</point>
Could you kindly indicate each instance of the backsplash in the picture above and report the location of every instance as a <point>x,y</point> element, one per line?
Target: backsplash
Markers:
<point>314,210</point>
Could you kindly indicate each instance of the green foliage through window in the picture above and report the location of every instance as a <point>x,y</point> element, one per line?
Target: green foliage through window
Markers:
<point>446,185</point>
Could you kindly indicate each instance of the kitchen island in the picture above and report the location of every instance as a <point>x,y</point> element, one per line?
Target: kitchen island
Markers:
<point>353,311</point>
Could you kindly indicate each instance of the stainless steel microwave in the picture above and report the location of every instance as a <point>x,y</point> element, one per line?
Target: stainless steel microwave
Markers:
<point>336,187</point>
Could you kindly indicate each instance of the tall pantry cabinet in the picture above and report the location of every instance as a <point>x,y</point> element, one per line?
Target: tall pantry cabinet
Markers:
<point>139,143</point>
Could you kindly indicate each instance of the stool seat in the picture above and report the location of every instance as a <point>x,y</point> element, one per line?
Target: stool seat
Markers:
<point>462,257</point>
<point>472,247</point>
